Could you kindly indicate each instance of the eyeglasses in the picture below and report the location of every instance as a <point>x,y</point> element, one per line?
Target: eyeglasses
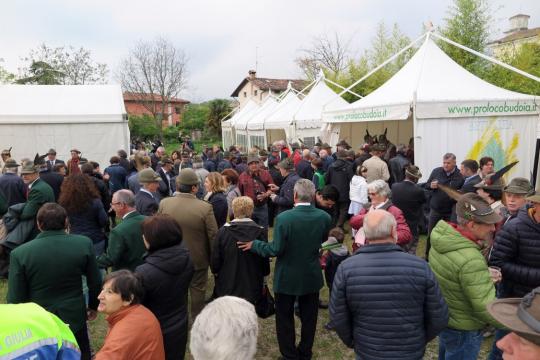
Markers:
<point>115,203</point>
<point>372,193</point>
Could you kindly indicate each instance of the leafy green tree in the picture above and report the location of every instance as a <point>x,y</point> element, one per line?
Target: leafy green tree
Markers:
<point>41,73</point>
<point>143,127</point>
<point>467,24</point>
<point>195,116</point>
<point>72,66</point>
<point>218,109</point>
<point>5,76</point>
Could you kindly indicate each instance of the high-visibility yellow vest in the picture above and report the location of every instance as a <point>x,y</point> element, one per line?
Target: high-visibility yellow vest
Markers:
<point>29,332</point>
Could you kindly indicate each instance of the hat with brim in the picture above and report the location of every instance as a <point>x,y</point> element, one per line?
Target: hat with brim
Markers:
<point>75,150</point>
<point>11,163</point>
<point>325,146</point>
<point>515,314</point>
<point>344,144</point>
<point>519,185</point>
<point>472,207</point>
<point>286,164</point>
<point>148,176</point>
<point>413,171</point>
<point>378,147</point>
<point>252,159</point>
<point>486,184</point>
<point>188,177</point>
<point>29,168</point>
<point>534,197</point>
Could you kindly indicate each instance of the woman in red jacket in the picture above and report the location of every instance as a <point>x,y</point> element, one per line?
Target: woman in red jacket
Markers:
<point>379,193</point>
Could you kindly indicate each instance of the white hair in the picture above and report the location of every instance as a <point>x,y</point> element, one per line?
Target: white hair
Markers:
<point>380,187</point>
<point>226,329</point>
<point>381,229</point>
<point>304,190</point>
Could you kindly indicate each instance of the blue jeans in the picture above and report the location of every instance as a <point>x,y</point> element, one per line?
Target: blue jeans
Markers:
<point>459,344</point>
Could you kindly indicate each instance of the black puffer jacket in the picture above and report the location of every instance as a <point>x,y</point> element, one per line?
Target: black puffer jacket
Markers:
<point>516,251</point>
<point>386,303</point>
<point>340,174</point>
<point>239,273</point>
<point>285,198</point>
<point>166,276</point>
<point>439,201</point>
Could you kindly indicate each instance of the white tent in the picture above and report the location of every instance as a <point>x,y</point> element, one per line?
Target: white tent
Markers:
<point>255,126</point>
<point>307,121</point>
<point>278,124</point>
<point>239,120</point>
<point>91,118</point>
<point>445,109</point>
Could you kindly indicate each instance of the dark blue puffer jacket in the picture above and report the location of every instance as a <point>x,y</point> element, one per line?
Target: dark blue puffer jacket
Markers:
<point>386,304</point>
<point>516,251</point>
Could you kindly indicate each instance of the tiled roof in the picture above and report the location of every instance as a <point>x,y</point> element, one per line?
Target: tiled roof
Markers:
<point>148,97</point>
<point>521,34</point>
<point>266,84</point>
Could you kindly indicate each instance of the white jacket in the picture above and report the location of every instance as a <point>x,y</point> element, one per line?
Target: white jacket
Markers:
<point>358,190</point>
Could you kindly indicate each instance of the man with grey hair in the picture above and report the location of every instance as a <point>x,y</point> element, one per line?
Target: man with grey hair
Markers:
<point>12,186</point>
<point>231,324</point>
<point>298,234</point>
<point>385,303</point>
<point>126,247</point>
<point>440,204</point>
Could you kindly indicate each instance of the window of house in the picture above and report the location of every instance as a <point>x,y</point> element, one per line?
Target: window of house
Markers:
<point>256,92</point>
<point>178,109</point>
<point>245,93</point>
<point>309,141</point>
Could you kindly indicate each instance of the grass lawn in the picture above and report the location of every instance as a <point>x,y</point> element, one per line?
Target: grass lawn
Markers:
<point>327,344</point>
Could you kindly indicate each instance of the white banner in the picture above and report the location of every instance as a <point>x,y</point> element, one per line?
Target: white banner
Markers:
<point>476,109</point>
<point>390,112</point>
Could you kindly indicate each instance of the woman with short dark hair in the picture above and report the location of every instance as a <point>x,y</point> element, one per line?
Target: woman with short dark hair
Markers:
<point>166,276</point>
<point>134,332</point>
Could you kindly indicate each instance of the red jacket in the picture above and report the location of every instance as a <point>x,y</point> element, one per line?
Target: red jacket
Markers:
<point>403,231</point>
<point>296,157</point>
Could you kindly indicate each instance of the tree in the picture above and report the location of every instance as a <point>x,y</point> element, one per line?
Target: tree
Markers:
<point>71,66</point>
<point>219,108</point>
<point>195,116</point>
<point>328,53</point>
<point>467,24</point>
<point>5,76</point>
<point>41,73</point>
<point>154,73</point>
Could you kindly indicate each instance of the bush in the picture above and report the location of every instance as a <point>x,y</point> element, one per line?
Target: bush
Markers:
<point>170,134</point>
<point>143,127</point>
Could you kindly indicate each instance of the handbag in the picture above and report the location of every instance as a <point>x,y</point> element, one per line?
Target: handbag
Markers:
<point>266,306</point>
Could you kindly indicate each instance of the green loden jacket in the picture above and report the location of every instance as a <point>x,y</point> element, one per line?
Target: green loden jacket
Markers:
<point>126,245</point>
<point>298,235</point>
<point>463,277</point>
<point>48,271</point>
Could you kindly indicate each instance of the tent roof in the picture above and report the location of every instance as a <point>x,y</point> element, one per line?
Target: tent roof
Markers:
<point>51,103</point>
<point>257,121</point>
<point>283,112</point>
<point>240,119</point>
<point>435,78</point>
<point>309,115</point>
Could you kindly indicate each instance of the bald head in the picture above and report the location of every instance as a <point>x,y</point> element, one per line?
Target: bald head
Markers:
<point>380,226</point>
<point>306,154</point>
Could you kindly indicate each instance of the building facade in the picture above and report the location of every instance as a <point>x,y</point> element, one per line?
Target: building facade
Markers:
<point>518,34</point>
<point>140,104</point>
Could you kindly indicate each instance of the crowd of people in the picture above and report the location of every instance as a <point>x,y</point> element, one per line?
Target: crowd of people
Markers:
<point>139,238</point>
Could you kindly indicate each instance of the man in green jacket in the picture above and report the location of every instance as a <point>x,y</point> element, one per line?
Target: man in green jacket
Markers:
<point>48,271</point>
<point>463,276</point>
<point>298,234</point>
<point>126,245</point>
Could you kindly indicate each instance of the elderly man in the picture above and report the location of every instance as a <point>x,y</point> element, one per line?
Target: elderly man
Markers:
<point>126,246</point>
<point>516,249</point>
<point>304,169</point>
<point>199,228</point>
<point>522,317</point>
<point>298,234</point>
<point>463,275</point>
<point>405,309</point>
<point>48,270</point>
<point>146,200</point>
<point>156,157</point>
<point>12,187</point>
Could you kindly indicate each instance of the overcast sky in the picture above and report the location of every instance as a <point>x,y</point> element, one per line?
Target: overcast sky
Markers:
<point>220,37</point>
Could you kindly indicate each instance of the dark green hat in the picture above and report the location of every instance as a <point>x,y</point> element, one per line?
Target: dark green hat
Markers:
<point>188,176</point>
<point>148,176</point>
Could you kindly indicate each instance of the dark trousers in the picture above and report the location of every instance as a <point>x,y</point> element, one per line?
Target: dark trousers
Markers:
<point>84,343</point>
<point>434,218</point>
<point>343,212</point>
<point>309,309</point>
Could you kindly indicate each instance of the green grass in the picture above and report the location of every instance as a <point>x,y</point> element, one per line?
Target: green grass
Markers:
<point>327,344</point>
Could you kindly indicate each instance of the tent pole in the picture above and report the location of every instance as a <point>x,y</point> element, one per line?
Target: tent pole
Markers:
<point>393,57</point>
<point>343,88</point>
<point>489,58</point>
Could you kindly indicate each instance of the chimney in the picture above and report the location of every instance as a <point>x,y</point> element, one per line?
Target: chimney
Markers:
<point>252,74</point>
<point>518,22</point>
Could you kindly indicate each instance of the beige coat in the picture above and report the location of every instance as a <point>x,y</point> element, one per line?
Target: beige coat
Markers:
<point>376,169</point>
<point>199,228</point>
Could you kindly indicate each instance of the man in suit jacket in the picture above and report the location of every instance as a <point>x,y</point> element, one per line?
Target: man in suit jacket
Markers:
<point>52,160</point>
<point>199,228</point>
<point>126,245</point>
<point>298,234</point>
<point>39,193</point>
<point>469,170</point>
<point>48,270</point>
<point>410,199</point>
<point>12,187</point>
<point>52,178</point>
<point>146,201</point>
